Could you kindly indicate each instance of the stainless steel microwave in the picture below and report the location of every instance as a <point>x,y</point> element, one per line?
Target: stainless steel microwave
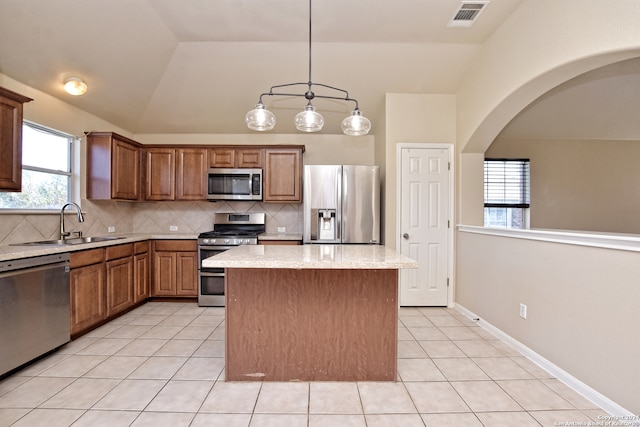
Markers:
<point>234,184</point>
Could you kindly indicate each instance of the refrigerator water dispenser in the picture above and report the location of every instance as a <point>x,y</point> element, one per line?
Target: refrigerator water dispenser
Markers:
<point>325,224</point>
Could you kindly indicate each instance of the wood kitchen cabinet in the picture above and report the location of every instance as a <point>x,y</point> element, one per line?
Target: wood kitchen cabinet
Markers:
<point>283,175</point>
<point>141,267</point>
<point>160,174</point>
<point>113,167</point>
<point>175,173</point>
<point>230,157</point>
<point>191,174</point>
<point>11,106</point>
<point>119,268</point>
<point>175,268</point>
<point>87,285</point>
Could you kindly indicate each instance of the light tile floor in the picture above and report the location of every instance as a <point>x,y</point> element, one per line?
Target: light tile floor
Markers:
<point>162,365</point>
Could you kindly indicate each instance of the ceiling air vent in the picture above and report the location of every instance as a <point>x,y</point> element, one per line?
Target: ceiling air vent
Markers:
<point>466,15</point>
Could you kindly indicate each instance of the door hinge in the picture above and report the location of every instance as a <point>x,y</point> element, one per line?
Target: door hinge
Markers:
<point>449,166</point>
<point>447,282</point>
<point>448,224</point>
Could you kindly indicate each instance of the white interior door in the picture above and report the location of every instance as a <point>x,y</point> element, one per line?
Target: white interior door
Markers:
<point>424,225</point>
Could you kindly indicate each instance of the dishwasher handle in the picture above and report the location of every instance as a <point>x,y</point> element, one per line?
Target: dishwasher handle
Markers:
<point>22,263</point>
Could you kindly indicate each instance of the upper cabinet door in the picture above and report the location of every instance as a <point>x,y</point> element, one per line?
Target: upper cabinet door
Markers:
<point>222,157</point>
<point>160,174</point>
<point>249,157</point>
<point>113,167</point>
<point>11,139</point>
<point>125,171</point>
<point>283,175</point>
<point>191,174</point>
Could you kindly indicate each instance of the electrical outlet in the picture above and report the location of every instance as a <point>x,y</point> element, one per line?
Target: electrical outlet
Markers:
<point>282,229</point>
<point>173,228</point>
<point>111,229</point>
<point>523,311</point>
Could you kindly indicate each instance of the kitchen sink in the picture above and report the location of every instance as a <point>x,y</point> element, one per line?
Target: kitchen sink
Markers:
<point>71,241</point>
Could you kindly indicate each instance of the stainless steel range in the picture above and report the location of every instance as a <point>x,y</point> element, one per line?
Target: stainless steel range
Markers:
<point>229,230</point>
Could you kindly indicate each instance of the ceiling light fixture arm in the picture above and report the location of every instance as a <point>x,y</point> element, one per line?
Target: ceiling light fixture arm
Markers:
<point>261,119</point>
<point>309,95</point>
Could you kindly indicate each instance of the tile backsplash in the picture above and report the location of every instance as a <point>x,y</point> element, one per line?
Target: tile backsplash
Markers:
<point>147,217</point>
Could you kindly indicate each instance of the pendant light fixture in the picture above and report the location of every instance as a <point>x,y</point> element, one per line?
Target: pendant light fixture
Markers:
<point>309,120</point>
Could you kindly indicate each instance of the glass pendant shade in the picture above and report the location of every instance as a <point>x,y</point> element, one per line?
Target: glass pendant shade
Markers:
<point>356,124</point>
<point>260,119</point>
<point>309,120</point>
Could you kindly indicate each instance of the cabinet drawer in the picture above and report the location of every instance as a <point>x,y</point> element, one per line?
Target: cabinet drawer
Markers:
<point>88,257</point>
<point>141,247</point>
<point>175,245</point>
<point>119,251</point>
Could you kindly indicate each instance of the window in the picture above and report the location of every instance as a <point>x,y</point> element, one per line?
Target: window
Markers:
<point>46,170</point>
<point>506,193</point>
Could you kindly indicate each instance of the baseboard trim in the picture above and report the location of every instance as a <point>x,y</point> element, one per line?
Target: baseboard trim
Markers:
<point>575,384</point>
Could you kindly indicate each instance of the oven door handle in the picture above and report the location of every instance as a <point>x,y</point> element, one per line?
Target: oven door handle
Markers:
<point>204,273</point>
<point>215,248</point>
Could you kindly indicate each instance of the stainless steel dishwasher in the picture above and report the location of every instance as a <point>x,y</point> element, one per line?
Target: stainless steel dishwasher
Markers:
<point>34,308</point>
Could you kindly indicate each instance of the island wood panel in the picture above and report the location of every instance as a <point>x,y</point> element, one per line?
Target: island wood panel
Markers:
<point>311,325</point>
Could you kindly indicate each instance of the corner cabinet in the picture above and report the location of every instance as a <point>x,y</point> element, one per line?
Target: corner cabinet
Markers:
<point>11,105</point>
<point>141,267</point>
<point>113,167</point>
<point>283,175</point>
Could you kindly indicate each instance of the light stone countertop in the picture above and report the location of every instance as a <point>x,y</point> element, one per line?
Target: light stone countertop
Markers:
<point>11,252</point>
<point>355,257</point>
<point>280,236</point>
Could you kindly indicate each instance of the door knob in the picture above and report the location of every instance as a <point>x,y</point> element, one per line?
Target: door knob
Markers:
<point>405,235</point>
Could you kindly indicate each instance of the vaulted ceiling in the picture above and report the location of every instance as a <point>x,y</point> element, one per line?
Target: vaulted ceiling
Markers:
<point>197,66</point>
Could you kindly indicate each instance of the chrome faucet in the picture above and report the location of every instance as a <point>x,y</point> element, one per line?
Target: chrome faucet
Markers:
<point>64,234</point>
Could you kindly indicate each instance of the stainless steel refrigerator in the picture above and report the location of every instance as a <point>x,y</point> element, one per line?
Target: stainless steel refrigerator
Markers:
<point>341,204</point>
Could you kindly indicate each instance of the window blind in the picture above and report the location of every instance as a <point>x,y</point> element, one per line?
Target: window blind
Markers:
<point>506,183</point>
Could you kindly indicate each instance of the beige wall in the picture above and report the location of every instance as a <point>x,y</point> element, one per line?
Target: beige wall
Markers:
<point>580,185</point>
<point>189,217</point>
<point>542,44</point>
<point>582,298</point>
<point>425,118</point>
<point>582,305</point>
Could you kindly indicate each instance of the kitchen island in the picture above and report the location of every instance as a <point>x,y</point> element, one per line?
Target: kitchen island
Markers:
<point>311,312</point>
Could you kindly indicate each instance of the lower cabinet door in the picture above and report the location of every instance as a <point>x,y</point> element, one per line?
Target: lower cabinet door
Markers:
<point>140,277</point>
<point>88,302</point>
<point>119,285</point>
<point>187,269</point>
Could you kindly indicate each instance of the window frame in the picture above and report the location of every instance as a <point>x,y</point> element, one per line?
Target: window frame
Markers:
<point>70,174</point>
<point>523,202</point>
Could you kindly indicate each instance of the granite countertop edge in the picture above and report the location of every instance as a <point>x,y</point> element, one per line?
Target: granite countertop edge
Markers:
<point>17,251</point>
<point>280,236</point>
<point>354,257</point>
